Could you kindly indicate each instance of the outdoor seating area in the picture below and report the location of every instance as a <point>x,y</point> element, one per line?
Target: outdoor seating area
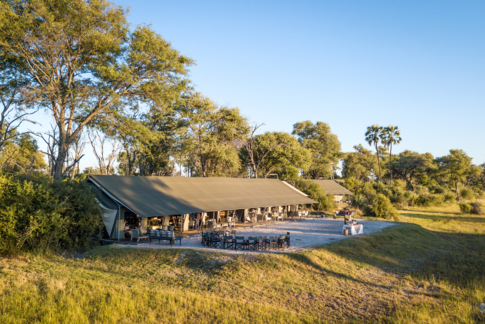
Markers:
<point>162,235</point>
<point>230,240</point>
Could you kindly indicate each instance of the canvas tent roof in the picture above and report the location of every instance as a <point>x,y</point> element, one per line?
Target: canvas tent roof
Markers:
<point>162,196</point>
<point>332,187</point>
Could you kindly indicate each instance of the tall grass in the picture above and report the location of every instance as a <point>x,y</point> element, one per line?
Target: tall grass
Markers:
<point>429,269</point>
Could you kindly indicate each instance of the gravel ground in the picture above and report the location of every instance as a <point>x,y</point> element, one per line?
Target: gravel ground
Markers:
<point>305,233</point>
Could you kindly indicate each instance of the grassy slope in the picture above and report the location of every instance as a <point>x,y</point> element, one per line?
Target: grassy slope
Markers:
<point>430,269</point>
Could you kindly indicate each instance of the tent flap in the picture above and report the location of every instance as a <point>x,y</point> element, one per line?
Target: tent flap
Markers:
<point>109,217</point>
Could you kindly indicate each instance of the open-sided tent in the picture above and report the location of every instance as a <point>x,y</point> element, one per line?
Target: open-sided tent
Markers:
<point>163,196</point>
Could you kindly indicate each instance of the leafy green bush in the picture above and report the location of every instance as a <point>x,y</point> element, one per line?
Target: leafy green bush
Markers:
<point>357,200</point>
<point>465,208</point>
<point>382,207</point>
<point>43,216</point>
<point>476,208</point>
<point>467,193</point>
<point>449,197</point>
<point>315,192</point>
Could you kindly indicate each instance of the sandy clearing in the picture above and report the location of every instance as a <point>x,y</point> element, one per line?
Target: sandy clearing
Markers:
<point>305,233</point>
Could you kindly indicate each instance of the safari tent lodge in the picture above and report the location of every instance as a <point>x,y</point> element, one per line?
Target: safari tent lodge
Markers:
<point>132,202</point>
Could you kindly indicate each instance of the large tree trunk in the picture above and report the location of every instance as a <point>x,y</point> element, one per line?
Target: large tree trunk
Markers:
<point>63,149</point>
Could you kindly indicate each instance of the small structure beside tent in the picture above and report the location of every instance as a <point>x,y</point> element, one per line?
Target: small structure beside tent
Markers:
<point>146,201</point>
<point>332,187</point>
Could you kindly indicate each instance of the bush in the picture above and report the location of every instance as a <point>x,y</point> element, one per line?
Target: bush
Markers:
<point>449,197</point>
<point>367,211</point>
<point>465,208</point>
<point>476,208</point>
<point>42,216</point>
<point>467,193</point>
<point>382,207</point>
<point>357,200</point>
<point>315,192</point>
<point>351,183</point>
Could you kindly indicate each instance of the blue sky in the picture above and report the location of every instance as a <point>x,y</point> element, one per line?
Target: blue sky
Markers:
<point>415,64</point>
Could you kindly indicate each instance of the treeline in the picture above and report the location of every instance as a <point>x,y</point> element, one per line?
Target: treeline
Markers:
<point>382,181</point>
<point>126,92</point>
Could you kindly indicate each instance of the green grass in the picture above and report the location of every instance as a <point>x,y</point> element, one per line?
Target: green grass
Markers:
<point>428,269</point>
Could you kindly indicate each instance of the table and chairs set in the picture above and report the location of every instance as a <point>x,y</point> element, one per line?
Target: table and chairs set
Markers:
<point>230,240</point>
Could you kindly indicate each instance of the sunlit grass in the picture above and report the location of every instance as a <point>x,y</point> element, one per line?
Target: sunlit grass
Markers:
<point>430,269</point>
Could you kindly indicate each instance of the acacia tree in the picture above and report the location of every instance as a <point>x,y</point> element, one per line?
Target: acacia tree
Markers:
<point>372,136</point>
<point>456,167</point>
<point>214,135</point>
<point>83,62</point>
<point>275,152</point>
<point>390,136</point>
<point>359,164</point>
<point>323,145</point>
<point>410,166</point>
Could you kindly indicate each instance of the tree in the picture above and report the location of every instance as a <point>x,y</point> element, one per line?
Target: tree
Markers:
<point>411,166</point>
<point>372,137</point>
<point>22,154</point>
<point>360,164</point>
<point>15,107</point>
<point>214,135</point>
<point>456,167</point>
<point>98,143</point>
<point>274,152</point>
<point>83,62</point>
<point>323,145</point>
<point>390,136</point>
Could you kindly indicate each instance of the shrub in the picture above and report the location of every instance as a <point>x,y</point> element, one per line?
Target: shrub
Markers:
<point>465,208</point>
<point>449,197</point>
<point>476,208</point>
<point>367,211</point>
<point>382,207</point>
<point>357,200</point>
<point>315,192</point>
<point>42,216</point>
<point>351,183</point>
<point>467,193</point>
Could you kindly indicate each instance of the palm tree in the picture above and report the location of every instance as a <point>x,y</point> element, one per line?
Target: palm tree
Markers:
<point>372,136</point>
<point>390,136</point>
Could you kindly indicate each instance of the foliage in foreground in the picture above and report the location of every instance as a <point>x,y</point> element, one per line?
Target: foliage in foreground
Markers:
<point>427,273</point>
<point>40,215</point>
